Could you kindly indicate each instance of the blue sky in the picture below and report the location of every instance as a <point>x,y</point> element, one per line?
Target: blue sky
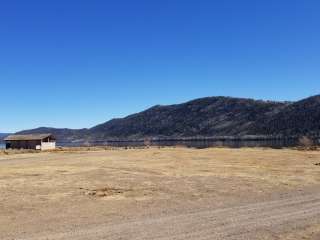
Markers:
<point>79,63</point>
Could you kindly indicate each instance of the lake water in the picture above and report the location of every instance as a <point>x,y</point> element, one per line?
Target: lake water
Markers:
<point>273,143</point>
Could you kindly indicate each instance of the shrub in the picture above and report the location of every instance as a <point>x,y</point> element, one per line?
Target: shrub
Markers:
<point>307,143</point>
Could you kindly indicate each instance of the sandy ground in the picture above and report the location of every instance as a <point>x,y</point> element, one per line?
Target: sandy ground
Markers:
<point>167,193</point>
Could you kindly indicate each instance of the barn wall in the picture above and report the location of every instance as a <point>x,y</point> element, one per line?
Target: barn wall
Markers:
<point>48,145</point>
<point>23,144</point>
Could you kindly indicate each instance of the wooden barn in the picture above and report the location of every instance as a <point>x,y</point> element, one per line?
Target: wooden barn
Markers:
<point>31,141</point>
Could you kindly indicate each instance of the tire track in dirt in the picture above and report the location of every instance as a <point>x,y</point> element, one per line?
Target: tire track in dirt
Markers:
<point>228,223</point>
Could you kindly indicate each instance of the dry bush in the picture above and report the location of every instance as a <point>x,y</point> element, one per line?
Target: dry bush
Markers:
<point>147,142</point>
<point>306,143</point>
<point>180,145</point>
<point>3,152</point>
<point>18,151</point>
<point>83,148</point>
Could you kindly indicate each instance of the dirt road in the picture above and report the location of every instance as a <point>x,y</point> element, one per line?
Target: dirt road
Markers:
<point>242,222</point>
<point>161,194</point>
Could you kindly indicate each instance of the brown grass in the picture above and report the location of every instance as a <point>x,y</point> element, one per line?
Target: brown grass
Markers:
<point>76,184</point>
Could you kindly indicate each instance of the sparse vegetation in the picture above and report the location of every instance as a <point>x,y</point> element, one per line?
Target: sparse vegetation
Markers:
<point>88,186</point>
<point>17,151</point>
<point>307,143</point>
<point>82,186</point>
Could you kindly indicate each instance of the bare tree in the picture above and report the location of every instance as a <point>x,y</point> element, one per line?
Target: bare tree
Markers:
<point>147,142</point>
<point>306,142</point>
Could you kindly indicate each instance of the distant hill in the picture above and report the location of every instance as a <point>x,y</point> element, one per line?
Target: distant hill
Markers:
<point>3,136</point>
<point>62,134</point>
<point>299,118</point>
<point>206,117</point>
<point>202,117</point>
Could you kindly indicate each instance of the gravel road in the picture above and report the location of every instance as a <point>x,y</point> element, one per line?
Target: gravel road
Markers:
<point>239,222</point>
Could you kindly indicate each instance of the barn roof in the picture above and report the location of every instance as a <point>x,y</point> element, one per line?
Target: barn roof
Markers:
<point>27,137</point>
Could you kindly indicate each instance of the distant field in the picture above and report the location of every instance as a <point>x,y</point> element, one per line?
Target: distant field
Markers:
<point>167,193</point>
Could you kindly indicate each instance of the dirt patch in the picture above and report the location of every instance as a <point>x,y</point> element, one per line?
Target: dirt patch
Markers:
<point>32,175</point>
<point>105,192</point>
<point>119,193</point>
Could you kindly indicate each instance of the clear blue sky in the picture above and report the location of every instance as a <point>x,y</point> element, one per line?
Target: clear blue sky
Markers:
<point>76,63</point>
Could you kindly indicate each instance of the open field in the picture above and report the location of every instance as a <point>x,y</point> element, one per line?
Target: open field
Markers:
<point>167,193</point>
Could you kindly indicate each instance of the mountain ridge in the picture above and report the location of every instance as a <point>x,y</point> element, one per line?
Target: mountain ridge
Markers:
<point>3,136</point>
<point>205,117</point>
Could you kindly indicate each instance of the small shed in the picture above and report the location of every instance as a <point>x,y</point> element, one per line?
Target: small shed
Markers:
<point>31,141</point>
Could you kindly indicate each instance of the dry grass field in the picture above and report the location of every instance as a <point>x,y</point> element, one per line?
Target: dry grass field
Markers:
<point>167,193</point>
